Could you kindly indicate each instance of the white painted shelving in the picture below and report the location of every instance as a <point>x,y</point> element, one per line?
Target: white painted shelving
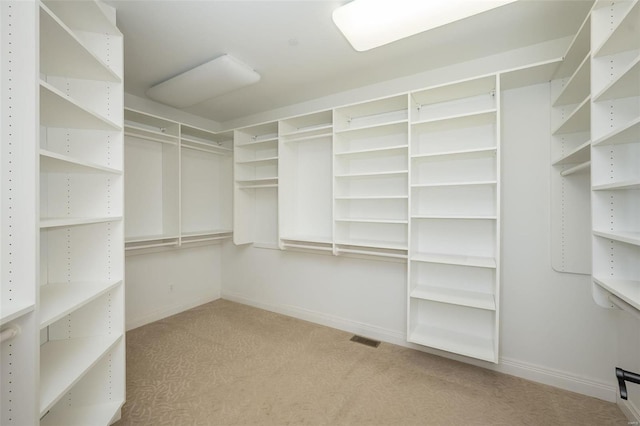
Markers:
<point>615,153</point>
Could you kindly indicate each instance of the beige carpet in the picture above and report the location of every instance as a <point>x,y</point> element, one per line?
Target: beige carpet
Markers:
<point>228,364</point>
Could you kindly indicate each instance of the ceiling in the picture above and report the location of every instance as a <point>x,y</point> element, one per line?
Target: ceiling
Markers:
<point>299,52</point>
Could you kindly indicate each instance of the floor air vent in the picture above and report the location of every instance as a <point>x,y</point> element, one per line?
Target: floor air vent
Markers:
<point>365,341</point>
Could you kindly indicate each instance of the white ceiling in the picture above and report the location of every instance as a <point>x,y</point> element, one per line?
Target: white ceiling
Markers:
<point>301,55</point>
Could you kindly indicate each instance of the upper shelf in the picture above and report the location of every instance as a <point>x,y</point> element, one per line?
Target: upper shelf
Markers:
<point>578,121</point>
<point>57,163</point>
<point>626,85</point>
<point>88,15</point>
<point>578,155</point>
<point>620,39</point>
<point>63,53</point>
<point>577,51</point>
<point>577,86</point>
<point>59,110</point>
<point>628,133</point>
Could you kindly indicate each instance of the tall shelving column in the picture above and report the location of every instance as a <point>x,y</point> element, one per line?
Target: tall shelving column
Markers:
<point>81,309</point>
<point>615,153</point>
<point>570,157</point>
<point>255,199</point>
<point>205,185</point>
<point>370,178</point>
<point>454,250</point>
<point>18,209</point>
<point>305,182</point>
<point>152,191</point>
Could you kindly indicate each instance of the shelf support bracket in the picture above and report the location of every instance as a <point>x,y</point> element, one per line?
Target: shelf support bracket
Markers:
<point>623,377</point>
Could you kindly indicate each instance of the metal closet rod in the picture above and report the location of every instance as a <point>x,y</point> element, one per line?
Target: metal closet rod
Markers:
<point>9,333</point>
<point>626,376</point>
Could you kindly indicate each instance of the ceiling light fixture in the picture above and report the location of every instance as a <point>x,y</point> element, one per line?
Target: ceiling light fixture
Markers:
<point>372,23</point>
<point>209,80</point>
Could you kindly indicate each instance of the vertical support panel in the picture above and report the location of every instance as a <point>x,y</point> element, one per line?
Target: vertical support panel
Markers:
<point>18,206</point>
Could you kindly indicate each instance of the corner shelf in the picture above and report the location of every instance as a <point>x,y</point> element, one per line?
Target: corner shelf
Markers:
<point>577,121</point>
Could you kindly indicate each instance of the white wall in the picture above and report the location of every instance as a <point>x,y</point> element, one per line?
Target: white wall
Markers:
<point>629,359</point>
<point>551,330</point>
<point>549,320</point>
<point>165,282</point>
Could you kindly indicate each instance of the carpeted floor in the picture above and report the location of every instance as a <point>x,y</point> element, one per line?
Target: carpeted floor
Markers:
<point>228,364</point>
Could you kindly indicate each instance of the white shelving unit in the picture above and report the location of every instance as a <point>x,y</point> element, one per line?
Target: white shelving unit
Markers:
<point>81,186</point>
<point>571,156</point>
<point>152,191</point>
<point>206,185</point>
<point>192,203</point>
<point>305,182</point>
<point>19,356</point>
<point>454,238</point>
<point>256,181</point>
<point>370,168</point>
<point>615,153</point>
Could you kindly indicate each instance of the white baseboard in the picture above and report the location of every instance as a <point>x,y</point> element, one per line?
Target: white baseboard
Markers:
<point>350,326</point>
<point>630,410</point>
<point>167,312</point>
<point>558,379</point>
<point>535,373</point>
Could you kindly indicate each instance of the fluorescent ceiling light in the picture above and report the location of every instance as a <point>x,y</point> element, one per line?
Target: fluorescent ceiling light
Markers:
<point>372,23</point>
<point>214,78</point>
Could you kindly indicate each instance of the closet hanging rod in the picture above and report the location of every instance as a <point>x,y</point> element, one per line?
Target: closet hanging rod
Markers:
<point>9,333</point>
<point>626,376</point>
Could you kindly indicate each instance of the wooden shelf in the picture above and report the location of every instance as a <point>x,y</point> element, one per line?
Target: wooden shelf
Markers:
<point>444,184</point>
<point>367,220</point>
<point>578,155</point>
<point>198,145</point>
<point>576,52</point>
<point>372,174</point>
<point>467,119</point>
<point>98,414</point>
<point>578,121</point>
<point>622,39</point>
<point>629,133</point>
<point>62,53</point>
<point>627,290</point>
<point>383,150</point>
<point>451,296</point>
<point>462,217</point>
<point>270,160</point>
<point>58,300</point>
<point>451,259</point>
<point>372,243</point>
<point>64,362</point>
<point>529,75</point>
<point>11,310</point>
<point>451,341</point>
<point>59,222</point>
<point>583,167</point>
<point>632,238</point>
<point>52,162</point>
<point>86,16</point>
<point>270,139</point>
<point>627,184</point>
<point>578,85</point>
<point>373,197</point>
<point>463,153</point>
<point>58,110</point>
<point>626,85</point>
